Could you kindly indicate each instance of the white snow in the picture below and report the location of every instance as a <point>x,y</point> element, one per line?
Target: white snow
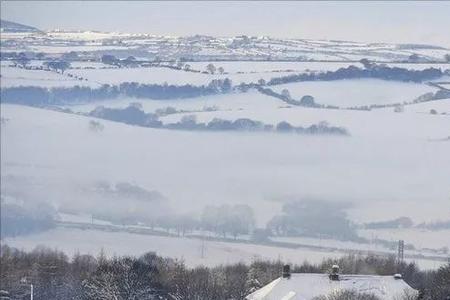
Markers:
<point>441,106</point>
<point>272,66</point>
<point>421,238</point>
<point>393,163</point>
<point>193,169</point>
<point>252,100</point>
<point>344,245</point>
<point>161,75</point>
<point>216,47</point>
<point>419,66</point>
<point>356,92</point>
<point>13,77</point>
<point>307,286</point>
<point>81,218</point>
<point>54,49</point>
<point>380,124</point>
<point>189,250</point>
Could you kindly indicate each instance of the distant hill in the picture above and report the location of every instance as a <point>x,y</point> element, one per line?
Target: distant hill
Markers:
<point>7,26</point>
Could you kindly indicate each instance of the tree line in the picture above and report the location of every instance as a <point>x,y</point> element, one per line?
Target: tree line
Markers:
<point>134,115</point>
<point>20,220</point>
<point>38,96</point>
<point>314,218</point>
<point>224,221</point>
<point>309,101</point>
<point>56,276</point>
<point>370,70</point>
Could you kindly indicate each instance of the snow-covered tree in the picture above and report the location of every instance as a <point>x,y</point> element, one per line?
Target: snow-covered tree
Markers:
<point>211,68</point>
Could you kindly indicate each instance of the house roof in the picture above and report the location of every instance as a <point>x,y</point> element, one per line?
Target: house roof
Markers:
<point>307,286</point>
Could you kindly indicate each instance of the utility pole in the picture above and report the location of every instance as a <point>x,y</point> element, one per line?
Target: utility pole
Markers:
<point>31,291</point>
<point>401,251</point>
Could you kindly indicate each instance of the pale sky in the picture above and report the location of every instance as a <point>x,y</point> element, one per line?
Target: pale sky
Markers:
<point>403,22</point>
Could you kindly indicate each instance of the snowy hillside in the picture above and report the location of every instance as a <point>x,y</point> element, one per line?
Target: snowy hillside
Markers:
<point>204,48</point>
<point>14,77</point>
<point>8,26</point>
<point>252,168</point>
<point>390,158</point>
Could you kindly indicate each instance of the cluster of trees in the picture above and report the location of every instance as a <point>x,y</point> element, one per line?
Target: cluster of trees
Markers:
<point>228,219</point>
<point>313,218</point>
<point>447,57</point>
<point>224,221</point>
<point>130,61</point>
<point>15,55</point>
<point>20,220</point>
<point>68,56</point>
<point>23,60</point>
<point>441,94</point>
<point>320,128</point>
<point>402,222</point>
<point>212,69</point>
<point>61,65</point>
<point>179,64</point>
<point>120,203</point>
<point>370,70</point>
<point>189,122</point>
<point>30,95</point>
<point>307,100</point>
<point>438,225</point>
<point>134,115</point>
<point>84,277</point>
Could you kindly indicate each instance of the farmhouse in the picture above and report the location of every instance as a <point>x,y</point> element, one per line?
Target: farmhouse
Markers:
<point>306,286</point>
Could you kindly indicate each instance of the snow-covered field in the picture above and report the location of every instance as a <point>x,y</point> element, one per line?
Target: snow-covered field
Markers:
<point>65,49</point>
<point>81,218</point>
<point>189,250</point>
<point>441,106</point>
<point>300,67</point>
<point>193,169</point>
<point>356,92</point>
<point>13,76</point>
<point>204,48</point>
<point>273,66</point>
<point>446,85</point>
<point>161,75</point>
<point>379,124</point>
<point>344,245</point>
<point>251,101</point>
<point>391,165</point>
<point>119,243</point>
<point>420,238</point>
<point>419,66</point>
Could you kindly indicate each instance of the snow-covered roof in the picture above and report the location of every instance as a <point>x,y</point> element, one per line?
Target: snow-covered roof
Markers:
<point>307,286</point>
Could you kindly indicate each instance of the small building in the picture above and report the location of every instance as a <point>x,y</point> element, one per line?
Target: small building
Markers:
<point>306,286</point>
